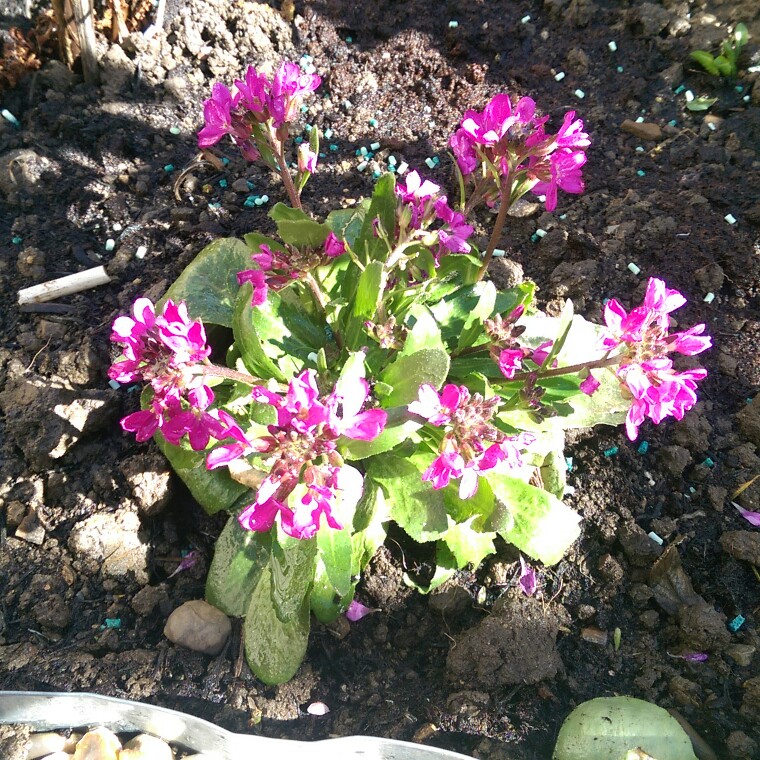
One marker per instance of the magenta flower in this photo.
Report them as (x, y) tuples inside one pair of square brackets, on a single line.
[(453, 235), (196, 422), (471, 444), (307, 477), (352, 422), (497, 119), (658, 392), (307, 159), (464, 151), (590, 385), (541, 352), (510, 361), (753, 518), (258, 279), (527, 580), (143, 423), (438, 410), (334, 246), (217, 113), (289, 86), (356, 611), (564, 174), (185, 337)]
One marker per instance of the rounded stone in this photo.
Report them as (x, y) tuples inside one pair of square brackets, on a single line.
[(198, 626)]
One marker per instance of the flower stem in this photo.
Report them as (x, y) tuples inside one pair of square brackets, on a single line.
[(571, 369), (215, 370), (320, 300), (287, 180), (498, 226)]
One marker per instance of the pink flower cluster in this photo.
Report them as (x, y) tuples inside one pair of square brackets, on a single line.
[(306, 475), (421, 204), (510, 142), (276, 269), (255, 100), (646, 373), (163, 350), (471, 444)]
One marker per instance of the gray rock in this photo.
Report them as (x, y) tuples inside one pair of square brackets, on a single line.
[(56, 76), (46, 743), (110, 543), (31, 263), (703, 628), (176, 87), (516, 644), (149, 477), (740, 746), (675, 459), (653, 18), (748, 420), (743, 545), (450, 601), (693, 431), (21, 172), (639, 549), (198, 626), (147, 599), (751, 702), (741, 654), (710, 277), (643, 130), (117, 69), (30, 529), (52, 612)]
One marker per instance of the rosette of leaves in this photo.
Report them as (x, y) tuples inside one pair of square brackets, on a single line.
[(275, 582)]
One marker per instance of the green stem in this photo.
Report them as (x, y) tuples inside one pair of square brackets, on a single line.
[(321, 301)]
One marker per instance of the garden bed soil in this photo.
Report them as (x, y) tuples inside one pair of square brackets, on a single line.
[(93, 525)]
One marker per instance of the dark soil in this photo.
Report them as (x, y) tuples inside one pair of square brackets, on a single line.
[(93, 526)]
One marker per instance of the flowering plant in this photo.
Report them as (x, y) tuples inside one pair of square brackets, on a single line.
[(374, 375)]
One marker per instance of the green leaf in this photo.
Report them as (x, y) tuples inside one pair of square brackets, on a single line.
[(274, 648), (326, 604), (247, 340), (347, 223), (532, 519), (287, 332), (706, 61), (372, 512), (422, 331), (369, 291), (297, 228), (407, 373), (208, 284), (741, 35), (726, 65), (563, 330), (701, 104), (214, 490), (608, 727), (473, 325), (240, 557), (414, 505), (335, 553), (382, 207), (479, 505), (445, 568), (292, 568), (468, 546)]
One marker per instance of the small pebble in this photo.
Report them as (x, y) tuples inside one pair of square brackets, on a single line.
[(403, 166), (175, 130), (110, 244), (689, 95), (169, 168), (594, 636), (373, 122), (430, 163), (655, 538), (362, 166), (141, 252), (559, 76), (611, 451), (525, 19), (612, 45), (736, 623), (146, 747), (579, 94), (730, 218), (709, 298), (8, 116), (619, 69), (44, 744), (100, 744), (641, 173), (375, 146), (199, 627), (643, 447), (453, 24)]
